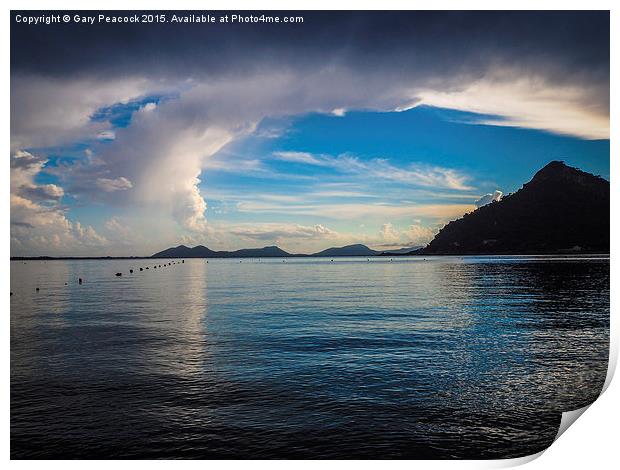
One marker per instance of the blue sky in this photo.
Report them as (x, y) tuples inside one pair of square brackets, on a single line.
[(297, 136)]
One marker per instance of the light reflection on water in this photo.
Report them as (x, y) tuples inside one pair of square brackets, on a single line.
[(436, 358)]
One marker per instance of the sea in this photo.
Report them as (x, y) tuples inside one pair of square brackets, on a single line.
[(305, 358)]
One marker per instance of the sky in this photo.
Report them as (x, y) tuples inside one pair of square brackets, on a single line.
[(351, 127)]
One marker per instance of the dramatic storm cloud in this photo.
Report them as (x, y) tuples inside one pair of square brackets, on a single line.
[(138, 119)]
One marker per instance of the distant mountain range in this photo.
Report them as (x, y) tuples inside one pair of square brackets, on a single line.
[(349, 250), (561, 210), (200, 251)]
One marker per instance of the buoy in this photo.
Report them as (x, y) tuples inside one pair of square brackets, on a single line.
[(118, 274), (65, 283), (37, 289)]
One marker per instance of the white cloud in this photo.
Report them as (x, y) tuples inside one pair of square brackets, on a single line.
[(87, 235), (299, 157), (162, 153), (46, 111), (106, 135), (41, 230), (24, 167), (419, 235), (115, 184), (118, 232), (277, 232), (113, 224), (489, 198), (189, 210), (416, 174), (352, 211), (38, 223), (43, 192), (526, 101), (413, 235), (148, 107), (389, 234)]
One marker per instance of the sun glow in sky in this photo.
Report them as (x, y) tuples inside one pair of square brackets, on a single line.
[(255, 144)]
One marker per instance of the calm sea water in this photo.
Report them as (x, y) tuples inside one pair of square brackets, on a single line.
[(446, 357)]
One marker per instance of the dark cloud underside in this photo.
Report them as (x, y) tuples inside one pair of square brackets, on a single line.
[(430, 41)]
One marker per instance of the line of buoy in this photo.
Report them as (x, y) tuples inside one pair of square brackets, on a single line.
[(80, 280), (141, 269)]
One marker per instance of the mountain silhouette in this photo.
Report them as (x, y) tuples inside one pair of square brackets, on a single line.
[(200, 251), (561, 210), (349, 250), (183, 251), (266, 252)]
